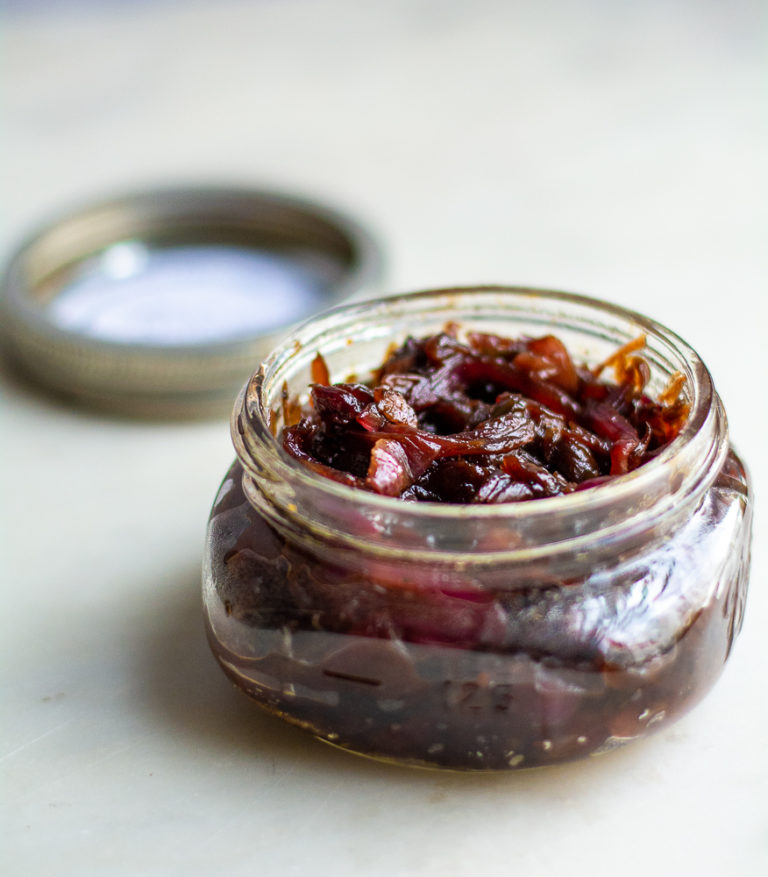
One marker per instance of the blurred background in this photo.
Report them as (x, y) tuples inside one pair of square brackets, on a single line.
[(612, 148), (607, 147), (602, 147)]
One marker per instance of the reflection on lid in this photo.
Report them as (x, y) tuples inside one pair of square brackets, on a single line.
[(185, 295)]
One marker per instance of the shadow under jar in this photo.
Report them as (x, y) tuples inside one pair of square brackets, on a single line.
[(477, 637)]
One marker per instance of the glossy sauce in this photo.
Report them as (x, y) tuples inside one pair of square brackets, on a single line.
[(486, 420)]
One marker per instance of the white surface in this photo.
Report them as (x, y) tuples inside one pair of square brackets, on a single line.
[(612, 148)]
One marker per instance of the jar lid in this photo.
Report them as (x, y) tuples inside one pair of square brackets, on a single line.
[(162, 303)]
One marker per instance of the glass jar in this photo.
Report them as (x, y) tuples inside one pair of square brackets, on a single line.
[(477, 636)]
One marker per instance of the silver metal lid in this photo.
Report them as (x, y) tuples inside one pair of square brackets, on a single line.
[(161, 303)]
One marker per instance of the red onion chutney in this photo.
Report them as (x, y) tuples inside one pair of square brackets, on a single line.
[(488, 555)]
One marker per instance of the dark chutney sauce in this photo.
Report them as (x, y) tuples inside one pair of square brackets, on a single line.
[(401, 652), (489, 420)]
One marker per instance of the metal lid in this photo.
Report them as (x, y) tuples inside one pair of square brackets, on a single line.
[(161, 303)]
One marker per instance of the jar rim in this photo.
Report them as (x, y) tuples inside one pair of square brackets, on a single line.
[(696, 448)]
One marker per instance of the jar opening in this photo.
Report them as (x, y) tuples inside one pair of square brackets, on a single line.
[(631, 508)]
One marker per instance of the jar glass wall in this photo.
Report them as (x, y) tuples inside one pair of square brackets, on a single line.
[(477, 637)]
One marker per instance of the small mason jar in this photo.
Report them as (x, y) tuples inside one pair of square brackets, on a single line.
[(477, 637)]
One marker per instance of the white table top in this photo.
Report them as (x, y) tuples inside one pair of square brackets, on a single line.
[(615, 149)]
